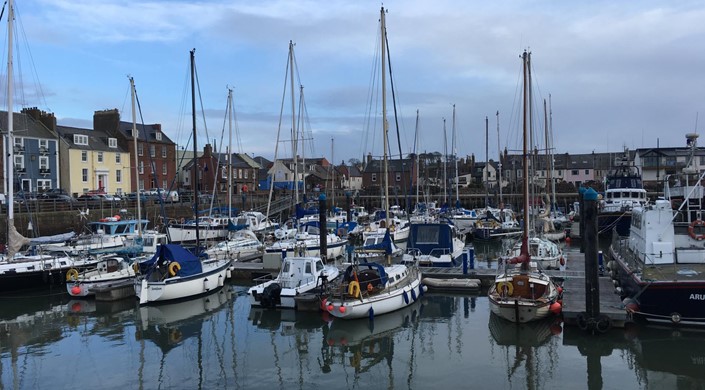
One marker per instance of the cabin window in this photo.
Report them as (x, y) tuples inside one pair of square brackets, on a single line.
[(285, 268), (319, 266), (308, 268)]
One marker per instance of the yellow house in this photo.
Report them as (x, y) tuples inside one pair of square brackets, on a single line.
[(92, 160)]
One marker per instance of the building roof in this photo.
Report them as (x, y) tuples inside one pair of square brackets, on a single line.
[(97, 140), (25, 126), (145, 132)]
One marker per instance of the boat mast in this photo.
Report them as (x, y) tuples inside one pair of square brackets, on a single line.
[(550, 125), (194, 170), (549, 173), (487, 162), (499, 164), (416, 138), (230, 154), (385, 127), (10, 137), (455, 159), (294, 133), (525, 168), (445, 164), (135, 135)]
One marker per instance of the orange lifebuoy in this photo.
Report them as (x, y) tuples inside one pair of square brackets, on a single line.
[(691, 229)]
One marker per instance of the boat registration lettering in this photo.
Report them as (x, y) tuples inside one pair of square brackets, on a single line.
[(697, 297)]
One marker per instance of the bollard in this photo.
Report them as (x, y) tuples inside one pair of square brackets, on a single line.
[(472, 257), (600, 263), (323, 227), (465, 261)]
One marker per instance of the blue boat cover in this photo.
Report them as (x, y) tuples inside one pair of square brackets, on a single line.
[(348, 275), (429, 236), (233, 228), (386, 244), (190, 264)]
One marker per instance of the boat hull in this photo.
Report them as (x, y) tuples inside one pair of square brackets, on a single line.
[(211, 279)]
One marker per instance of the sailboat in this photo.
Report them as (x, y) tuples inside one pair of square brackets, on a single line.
[(370, 289), (521, 292), (174, 272), (26, 270)]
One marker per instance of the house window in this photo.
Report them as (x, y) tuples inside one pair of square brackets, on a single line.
[(84, 175), (19, 163), (112, 142), (80, 139), (587, 171), (560, 173), (163, 169), (239, 173), (118, 190), (152, 152), (398, 176), (19, 142), (158, 136), (43, 184), (140, 149), (163, 151), (84, 156), (118, 158), (100, 157), (153, 167), (118, 176), (141, 184), (374, 177), (164, 183), (43, 162), (141, 167), (574, 172), (245, 173), (44, 144), (224, 172)]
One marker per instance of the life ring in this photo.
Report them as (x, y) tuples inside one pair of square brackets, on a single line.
[(174, 268), (354, 289), (691, 229), (72, 275), (501, 286)]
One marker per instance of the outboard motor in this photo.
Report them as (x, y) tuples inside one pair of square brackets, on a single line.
[(270, 297)]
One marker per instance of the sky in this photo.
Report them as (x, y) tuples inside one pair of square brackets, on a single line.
[(619, 73)]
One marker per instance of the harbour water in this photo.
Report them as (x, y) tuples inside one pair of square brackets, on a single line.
[(218, 341)]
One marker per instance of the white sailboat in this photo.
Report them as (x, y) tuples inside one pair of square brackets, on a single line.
[(371, 289), (174, 272)]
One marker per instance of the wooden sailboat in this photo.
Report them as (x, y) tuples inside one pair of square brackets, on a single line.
[(521, 292), (371, 289), (174, 272)]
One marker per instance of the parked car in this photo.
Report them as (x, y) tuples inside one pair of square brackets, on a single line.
[(109, 198), (52, 193), (89, 198), (133, 197), (64, 198)]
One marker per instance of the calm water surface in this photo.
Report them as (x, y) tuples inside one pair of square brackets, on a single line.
[(218, 341)]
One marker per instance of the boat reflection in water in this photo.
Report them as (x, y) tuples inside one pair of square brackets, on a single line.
[(168, 325)]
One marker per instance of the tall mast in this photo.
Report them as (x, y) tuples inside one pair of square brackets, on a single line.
[(487, 162), (10, 137), (194, 169), (416, 138), (549, 169), (294, 133), (230, 153), (525, 170), (550, 130), (135, 135), (455, 159), (385, 127), (445, 163), (499, 163)]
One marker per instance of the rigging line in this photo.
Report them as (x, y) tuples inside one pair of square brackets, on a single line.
[(396, 118), (238, 139), (370, 98), (38, 85)]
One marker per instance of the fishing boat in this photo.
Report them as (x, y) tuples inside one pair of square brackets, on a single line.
[(174, 272), (659, 269), (623, 191), (298, 275), (521, 292)]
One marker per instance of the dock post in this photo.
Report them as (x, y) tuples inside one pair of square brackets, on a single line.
[(601, 263), (472, 257), (323, 227), (466, 254), (591, 320), (581, 221)]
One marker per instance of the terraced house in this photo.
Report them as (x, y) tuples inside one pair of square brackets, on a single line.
[(36, 153), (92, 160)]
